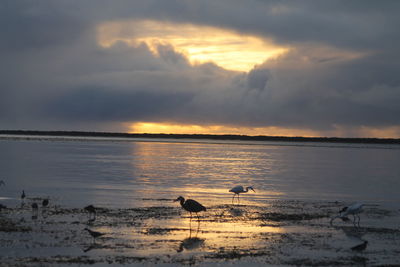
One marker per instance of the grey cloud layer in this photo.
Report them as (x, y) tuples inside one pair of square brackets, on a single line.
[(53, 73)]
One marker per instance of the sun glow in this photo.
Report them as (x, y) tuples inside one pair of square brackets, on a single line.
[(200, 44), (171, 128)]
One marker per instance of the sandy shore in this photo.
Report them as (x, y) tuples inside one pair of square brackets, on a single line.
[(277, 233)]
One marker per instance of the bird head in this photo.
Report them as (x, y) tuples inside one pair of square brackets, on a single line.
[(250, 187), (179, 199)]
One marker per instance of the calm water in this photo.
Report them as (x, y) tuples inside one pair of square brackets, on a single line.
[(139, 173)]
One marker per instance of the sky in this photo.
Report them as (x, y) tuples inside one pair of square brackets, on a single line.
[(292, 68)]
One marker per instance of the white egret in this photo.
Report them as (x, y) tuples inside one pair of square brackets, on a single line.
[(353, 209), (239, 189)]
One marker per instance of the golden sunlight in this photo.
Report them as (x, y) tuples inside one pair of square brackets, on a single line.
[(171, 128), (200, 44)]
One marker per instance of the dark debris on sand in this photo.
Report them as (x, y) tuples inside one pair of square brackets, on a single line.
[(280, 233)]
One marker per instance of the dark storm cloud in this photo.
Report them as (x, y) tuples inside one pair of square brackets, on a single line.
[(52, 68)]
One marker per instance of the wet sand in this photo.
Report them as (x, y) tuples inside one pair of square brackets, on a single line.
[(279, 232)]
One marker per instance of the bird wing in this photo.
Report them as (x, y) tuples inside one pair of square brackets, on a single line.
[(236, 189), (194, 206)]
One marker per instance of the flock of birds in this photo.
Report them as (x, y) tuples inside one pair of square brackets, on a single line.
[(193, 206)]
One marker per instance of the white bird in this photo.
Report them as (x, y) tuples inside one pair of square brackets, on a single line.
[(353, 209), (239, 189)]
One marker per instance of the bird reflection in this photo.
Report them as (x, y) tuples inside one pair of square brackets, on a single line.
[(92, 246), (361, 246), (353, 233), (191, 243), (236, 212)]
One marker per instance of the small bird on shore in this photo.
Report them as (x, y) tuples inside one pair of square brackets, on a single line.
[(191, 205), (360, 247), (23, 195), (353, 209), (35, 206), (92, 210), (94, 234), (239, 189), (45, 203)]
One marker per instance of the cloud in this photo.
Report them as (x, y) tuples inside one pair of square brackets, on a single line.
[(341, 69)]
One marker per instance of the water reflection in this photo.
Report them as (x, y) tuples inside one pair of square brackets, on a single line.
[(192, 242)]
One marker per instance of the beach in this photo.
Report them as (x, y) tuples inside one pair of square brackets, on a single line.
[(279, 233), (133, 185)]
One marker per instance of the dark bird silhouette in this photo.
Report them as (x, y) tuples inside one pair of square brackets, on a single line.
[(360, 247), (35, 206), (191, 205), (94, 234), (23, 195), (45, 203), (239, 189), (92, 210)]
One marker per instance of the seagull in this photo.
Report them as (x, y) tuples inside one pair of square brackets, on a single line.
[(353, 209), (94, 234), (360, 247), (239, 189), (191, 206)]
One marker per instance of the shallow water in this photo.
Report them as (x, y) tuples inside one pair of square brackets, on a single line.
[(120, 173), (299, 187)]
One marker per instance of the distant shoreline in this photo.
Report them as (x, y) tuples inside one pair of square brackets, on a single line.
[(205, 136)]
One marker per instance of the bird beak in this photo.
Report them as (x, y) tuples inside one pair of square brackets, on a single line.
[(253, 190), (175, 200)]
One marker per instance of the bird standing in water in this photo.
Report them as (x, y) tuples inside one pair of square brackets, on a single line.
[(92, 210), (239, 189), (191, 205), (353, 209), (45, 203), (94, 234), (360, 247)]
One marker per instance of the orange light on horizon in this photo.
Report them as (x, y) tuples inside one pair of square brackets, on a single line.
[(173, 128), (337, 131)]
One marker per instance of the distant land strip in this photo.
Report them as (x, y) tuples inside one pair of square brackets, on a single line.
[(205, 136)]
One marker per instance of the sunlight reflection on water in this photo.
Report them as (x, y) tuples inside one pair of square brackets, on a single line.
[(125, 174)]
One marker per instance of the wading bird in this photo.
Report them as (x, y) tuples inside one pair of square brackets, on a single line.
[(92, 210), (35, 206), (94, 234), (353, 209), (239, 189), (360, 247), (23, 195), (191, 206), (45, 203)]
